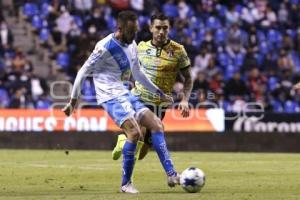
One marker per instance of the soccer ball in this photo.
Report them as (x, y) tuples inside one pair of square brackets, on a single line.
[(192, 179)]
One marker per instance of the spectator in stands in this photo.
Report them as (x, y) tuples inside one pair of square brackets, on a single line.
[(209, 42), (284, 61), (235, 41), (258, 39), (250, 61), (255, 82), (82, 7), (200, 82), (232, 16), (97, 20), (235, 87), (202, 61), (283, 15), (6, 37)]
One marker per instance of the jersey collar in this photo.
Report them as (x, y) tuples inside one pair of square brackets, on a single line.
[(165, 44)]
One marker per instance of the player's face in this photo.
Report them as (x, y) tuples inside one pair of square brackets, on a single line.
[(160, 30), (129, 31)]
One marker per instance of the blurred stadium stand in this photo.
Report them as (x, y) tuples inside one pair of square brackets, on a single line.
[(241, 51)]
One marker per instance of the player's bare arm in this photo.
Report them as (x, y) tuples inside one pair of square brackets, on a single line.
[(187, 88)]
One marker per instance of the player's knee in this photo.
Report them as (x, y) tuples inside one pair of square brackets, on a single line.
[(132, 131), (133, 135), (158, 126)]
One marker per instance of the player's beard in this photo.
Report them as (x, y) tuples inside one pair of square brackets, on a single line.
[(127, 40)]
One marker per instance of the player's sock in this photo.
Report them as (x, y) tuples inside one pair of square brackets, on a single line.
[(128, 161), (139, 145), (159, 144)]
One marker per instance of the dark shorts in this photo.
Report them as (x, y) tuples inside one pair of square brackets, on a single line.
[(160, 112)]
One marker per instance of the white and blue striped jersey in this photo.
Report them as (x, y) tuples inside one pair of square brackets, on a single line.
[(108, 64)]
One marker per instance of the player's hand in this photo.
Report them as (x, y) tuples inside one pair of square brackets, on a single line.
[(69, 108), (296, 86), (184, 107)]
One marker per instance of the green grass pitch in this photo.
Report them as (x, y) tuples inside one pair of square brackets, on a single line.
[(80, 175)]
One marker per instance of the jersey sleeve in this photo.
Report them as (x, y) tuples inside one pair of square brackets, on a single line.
[(86, 70), (183, 59)]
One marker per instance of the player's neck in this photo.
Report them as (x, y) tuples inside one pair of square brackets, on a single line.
[(159, 44)]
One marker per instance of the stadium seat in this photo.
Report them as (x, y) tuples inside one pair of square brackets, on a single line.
[(291, 106), (78, 21), (37, 22), (111, 23), (170, 10), (201, 34), (229, 71), (239, 8), (43, 104), (223, 59), (296, 2), (261, 36), (196, 23), (274, 38), (221, 9), (238, 60), (44, 10), (213, 23), (30, 9), (4, 98), (263, 48), (88, 91), (291, 33), (220, 36), (273, 83), (143, 20), (63, 59), (226, 106), (277, 106), (44, 35)]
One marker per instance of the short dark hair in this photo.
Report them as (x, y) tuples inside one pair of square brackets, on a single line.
[(125, 16), (159, 16)]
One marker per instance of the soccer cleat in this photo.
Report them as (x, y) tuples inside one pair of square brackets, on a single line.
[(129, 188), (174, 180), (117, 152)]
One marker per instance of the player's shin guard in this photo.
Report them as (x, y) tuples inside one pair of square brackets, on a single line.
[(159, 144), (128, 161)]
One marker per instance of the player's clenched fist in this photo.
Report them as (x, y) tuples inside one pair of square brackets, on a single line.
[(69, 108)]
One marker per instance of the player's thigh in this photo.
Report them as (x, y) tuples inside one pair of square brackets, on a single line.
[(150, 121), (120, 110), (159, 111), (138, 106)]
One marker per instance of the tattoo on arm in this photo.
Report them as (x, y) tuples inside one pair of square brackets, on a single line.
[(188, 83)]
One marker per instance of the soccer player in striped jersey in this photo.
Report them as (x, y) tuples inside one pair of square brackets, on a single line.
[(162, 60)]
